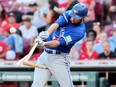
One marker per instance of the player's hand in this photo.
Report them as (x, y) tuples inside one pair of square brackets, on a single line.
[(44, 35), (40, 41)]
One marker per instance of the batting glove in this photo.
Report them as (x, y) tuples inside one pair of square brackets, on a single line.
[(40, 41), (44, 35)]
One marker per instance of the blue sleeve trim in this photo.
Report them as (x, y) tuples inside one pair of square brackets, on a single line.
[(65, 18)]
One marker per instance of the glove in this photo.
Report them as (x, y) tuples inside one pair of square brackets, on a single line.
[(44, 35), (40, 41)]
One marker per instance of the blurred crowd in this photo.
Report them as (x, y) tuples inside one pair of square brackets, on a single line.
[(30, 18)]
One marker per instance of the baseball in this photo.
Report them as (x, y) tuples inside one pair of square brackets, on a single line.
[(12, 30)]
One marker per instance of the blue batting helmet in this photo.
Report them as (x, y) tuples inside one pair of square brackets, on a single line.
[(79, 11)]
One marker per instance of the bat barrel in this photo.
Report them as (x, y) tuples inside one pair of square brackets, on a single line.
[(35, 65)]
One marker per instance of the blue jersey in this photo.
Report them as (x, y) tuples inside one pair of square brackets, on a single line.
[(67, 33)]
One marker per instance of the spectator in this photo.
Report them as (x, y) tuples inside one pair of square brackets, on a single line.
[(62, 3), (29, 32), (3, 16), (32, 9), (3, 50), (69, 6), (103, 37), (2, 37), (71, 3), (113, 38), (7, 4), (107, 53), (111, 27), (17, 13), (91, 34), (90, 53), (28, 28), (10, 42), (11, 21), (91, 14), (14, 44), (97, 29), (99, 10), (36, 18), (112, 9), (52, 15), (23, 7), (18, 43), (91, 5)]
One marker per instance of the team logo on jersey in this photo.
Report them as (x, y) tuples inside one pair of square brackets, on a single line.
[(68, 39), (55, 38)]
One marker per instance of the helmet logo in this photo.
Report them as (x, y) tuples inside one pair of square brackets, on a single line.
[(76, 11)]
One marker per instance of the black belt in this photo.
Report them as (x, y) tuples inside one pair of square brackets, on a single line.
[(52, 51)]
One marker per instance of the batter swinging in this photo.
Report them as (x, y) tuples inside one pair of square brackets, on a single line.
[(60, 37)]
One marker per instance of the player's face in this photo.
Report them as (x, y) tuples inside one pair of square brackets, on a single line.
[(75, 21)]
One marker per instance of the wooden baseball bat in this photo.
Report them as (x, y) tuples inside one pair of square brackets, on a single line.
[(35, 65), (25, 59), (28, 56), (31, 51)]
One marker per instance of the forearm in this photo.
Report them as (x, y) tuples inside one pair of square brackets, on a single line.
[(52, 28), (54, 43)]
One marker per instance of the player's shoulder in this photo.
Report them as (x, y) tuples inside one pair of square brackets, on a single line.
[(66, 14)]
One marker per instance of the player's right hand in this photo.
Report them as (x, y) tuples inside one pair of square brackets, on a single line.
[(40, 41), (44, 35)]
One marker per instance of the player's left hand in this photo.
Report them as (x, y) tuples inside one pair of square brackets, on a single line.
[(44, 35), (40, 41)]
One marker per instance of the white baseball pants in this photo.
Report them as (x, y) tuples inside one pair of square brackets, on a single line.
[(59, 62)]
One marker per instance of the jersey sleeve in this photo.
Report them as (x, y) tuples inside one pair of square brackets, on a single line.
[(63, 19), (70, 39)]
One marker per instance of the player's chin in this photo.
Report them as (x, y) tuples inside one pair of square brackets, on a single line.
[(75, 24)]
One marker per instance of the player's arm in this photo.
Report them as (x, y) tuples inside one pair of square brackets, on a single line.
[(53, 43), (60, 22), (52, 28)]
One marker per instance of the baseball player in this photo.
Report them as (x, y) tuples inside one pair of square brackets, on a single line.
[(60, 37)]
